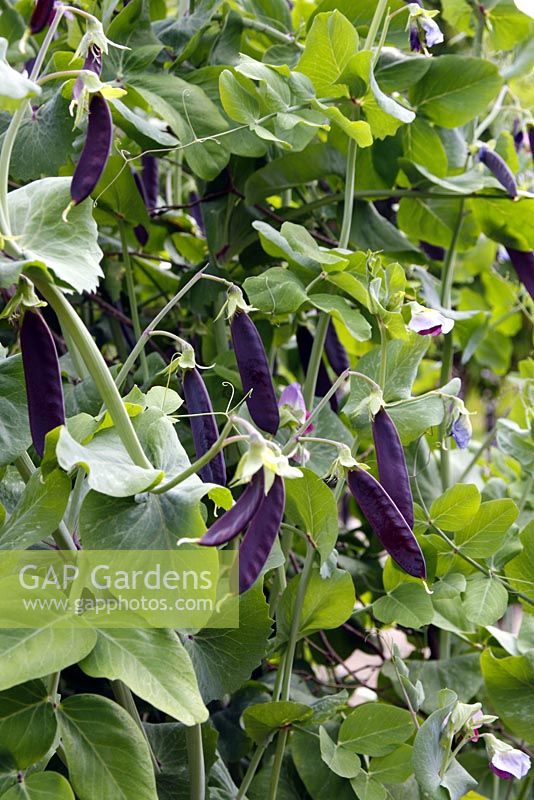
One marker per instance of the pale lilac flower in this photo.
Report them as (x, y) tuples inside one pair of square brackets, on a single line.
[(424, 32), (462, 430), (428, 321), (506, 761), (433, 35), (293, 398)]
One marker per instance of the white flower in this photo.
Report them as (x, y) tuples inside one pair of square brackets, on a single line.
[(526, 6), (428, 321)]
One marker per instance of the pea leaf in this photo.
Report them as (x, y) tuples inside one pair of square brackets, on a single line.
[(408, 605), (261, 720), (375, 729), (330, 43), (311, 504), (275, 291), (509, 684), (15, 435), (27, 722), (38, 512), (107, 755), (341, 310), (154, 664), (41, 786), (15, 88), (487, 531), (486, 599), (456, 507)]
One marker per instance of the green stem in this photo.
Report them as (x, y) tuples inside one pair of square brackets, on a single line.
[(252, 768), (447, 279), (16, 120), (84, 342), (268, 30), (288, 664), (375, 24), (124, 698), (280, 581), (383, 353), (195, 760), (348, 206), (134, 311), (145, 336), (200, 462), (315, 359)]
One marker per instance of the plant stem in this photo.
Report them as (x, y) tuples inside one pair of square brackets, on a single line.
[(252, 768), (130, 285), (124, 698), (92, 357), (348, 206), (145, 336), (315, 359), (195, 760), (200, 462), (288, 664), (375, 24), (383, 353), (447, 279), (272, 33)]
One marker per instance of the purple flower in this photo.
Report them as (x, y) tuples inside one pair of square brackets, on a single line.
[(415, 42), (509, 764), (293, 398), (461, 431), (428, 321)]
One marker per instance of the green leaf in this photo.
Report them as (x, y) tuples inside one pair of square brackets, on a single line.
[(107, 755), (341, 310), (423, 146), (456, 89), (15, 88), (311, 504), (428, 756), (276, 291), (330, 43), (327, 604), (191, 115), (109, 468), (169, 745), (44, 142), (27, 723), (69, 249), (156, 667), (456, 507), (486, 599), (408, 605), (35, 652), (41, 786), (261, 720), (367, 788), (393, 768), (295, 244), (339, 758), (461, 674), (369, 230), (415, 417), (38, 512), (238, 97), (224, 657), (359, 130), (487, 531), (376, 729), (510, 687), (319, 780), (506, 221), (434, 221), (15, 435), (117, 192), (520, 569)]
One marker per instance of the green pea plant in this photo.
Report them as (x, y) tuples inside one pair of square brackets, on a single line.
[(266, 287)]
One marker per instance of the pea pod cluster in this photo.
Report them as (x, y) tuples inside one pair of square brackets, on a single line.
[(255, 374), (388, 504), (41, 16), (387, 522), (203, 427), (96, 150), (235, 520), (499, 168), (523, 263), (42, 375)]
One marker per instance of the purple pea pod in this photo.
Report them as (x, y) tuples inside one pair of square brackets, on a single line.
[(44, 390), (517, 133), (261, 534), (432, 251), (499, 168), (150, 180), (255, 373), (323, 383), (204, 428), (141, 233), (41, 15), (335, 352), (92, 63), (387, 522), (523, 263), (530, 134), (96, 150), (392, 469), (235, 520)]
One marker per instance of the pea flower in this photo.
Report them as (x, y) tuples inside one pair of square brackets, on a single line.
[(292, 402), (461, 428), (428, 321), (506, 761), (424, 31)]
